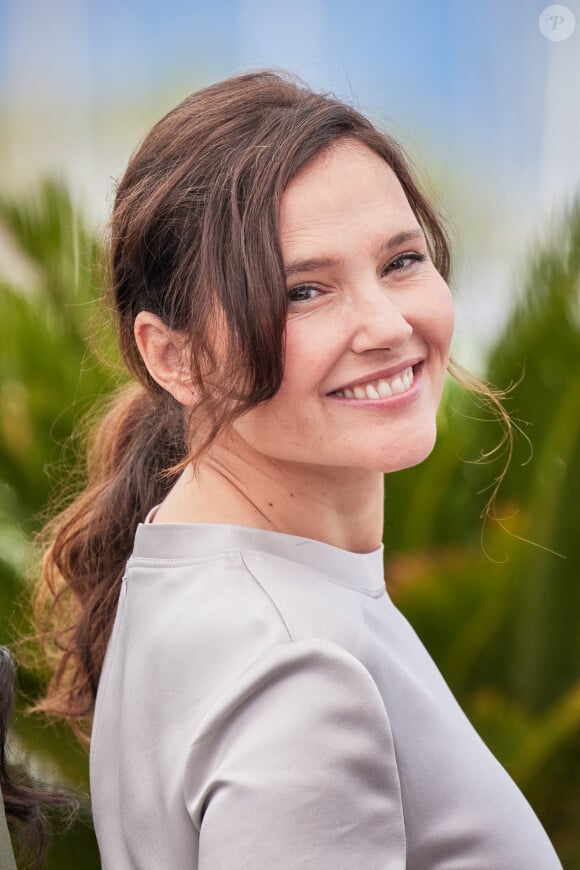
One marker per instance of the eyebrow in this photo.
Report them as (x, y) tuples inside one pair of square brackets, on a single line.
[(386, 247)]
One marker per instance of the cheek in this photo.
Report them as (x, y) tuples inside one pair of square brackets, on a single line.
[(309, 352), (448, 319), (440, 320)]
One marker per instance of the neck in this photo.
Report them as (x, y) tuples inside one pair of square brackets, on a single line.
[(339, 506)]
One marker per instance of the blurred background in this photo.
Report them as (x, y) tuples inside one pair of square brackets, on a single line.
[(485, 99)]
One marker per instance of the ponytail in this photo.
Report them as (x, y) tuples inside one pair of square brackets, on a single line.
[(131, 467)]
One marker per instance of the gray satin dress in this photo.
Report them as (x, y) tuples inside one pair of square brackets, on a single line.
[(265, 706)]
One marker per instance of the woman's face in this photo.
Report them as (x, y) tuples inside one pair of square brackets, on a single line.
[(366, 307)]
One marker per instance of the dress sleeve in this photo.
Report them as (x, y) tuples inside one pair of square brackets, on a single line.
[(294, 767)]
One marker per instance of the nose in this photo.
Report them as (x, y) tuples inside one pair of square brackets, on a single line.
[(379, 320)]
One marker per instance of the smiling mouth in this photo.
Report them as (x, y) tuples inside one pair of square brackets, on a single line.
[(382, 388)]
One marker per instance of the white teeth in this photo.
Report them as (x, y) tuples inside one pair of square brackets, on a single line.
[(384, 389), (397, 386), (381, 389)]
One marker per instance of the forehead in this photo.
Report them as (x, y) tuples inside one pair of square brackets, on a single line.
[(346, 190)]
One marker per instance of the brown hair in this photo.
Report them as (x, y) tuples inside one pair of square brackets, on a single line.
[(195, 241)]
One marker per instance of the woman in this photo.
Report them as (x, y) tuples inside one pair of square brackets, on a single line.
[(25, 805), (280, 288)]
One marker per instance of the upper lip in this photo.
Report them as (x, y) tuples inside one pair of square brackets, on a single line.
[(380, 374)]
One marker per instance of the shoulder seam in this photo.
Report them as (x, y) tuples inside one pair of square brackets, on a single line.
[(153, 561), (267, 594)]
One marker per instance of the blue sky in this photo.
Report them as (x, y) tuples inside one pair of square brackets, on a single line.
[(473, 89), (452, 69)]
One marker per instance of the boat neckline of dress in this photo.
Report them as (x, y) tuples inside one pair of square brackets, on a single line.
[(179, 542)]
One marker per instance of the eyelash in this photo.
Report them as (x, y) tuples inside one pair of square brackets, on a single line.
[(415, 258)]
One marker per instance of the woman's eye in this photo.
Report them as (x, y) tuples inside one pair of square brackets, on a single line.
[(413, 258), (300, 293), (304, 292)]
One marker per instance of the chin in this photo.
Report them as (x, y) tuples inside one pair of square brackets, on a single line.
[(410, 453)]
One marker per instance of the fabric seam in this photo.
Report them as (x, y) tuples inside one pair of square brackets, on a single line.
[(267, 594), (173, 563), (372, 593)]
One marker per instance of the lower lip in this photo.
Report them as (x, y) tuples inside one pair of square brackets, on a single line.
[(392, 402)]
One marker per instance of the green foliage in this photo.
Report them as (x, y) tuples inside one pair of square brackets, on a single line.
[(47, 342), (498, 604), (56, 359), (500, 615)]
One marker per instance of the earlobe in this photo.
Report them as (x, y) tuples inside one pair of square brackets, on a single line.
[(162, 350)]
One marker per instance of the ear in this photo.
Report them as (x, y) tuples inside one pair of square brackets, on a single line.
[(163, 352)]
